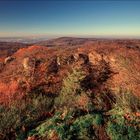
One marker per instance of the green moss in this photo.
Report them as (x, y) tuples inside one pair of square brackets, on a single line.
[(68, 127), (120, 129)]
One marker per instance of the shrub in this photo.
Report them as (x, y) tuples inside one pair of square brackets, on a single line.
[(9, 120), (83, 102), (122, 131), (125, 102), (68, 128), (9, 92), (119, 128), (72, 95), (125, 62), (103, 100), (23, 114)]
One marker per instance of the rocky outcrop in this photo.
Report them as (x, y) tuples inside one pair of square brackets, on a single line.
[(28, 65), (78, 57), (72, 58), (94, 58), (83, 58), (8, 59), (54, 65)]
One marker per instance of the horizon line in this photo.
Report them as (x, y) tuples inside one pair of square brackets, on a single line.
[(74, 36)]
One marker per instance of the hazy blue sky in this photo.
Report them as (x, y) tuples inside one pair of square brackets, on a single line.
[(69, 17)]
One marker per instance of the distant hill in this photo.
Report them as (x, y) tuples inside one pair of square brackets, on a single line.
[(65, 41), (8, 48), (75, 41)]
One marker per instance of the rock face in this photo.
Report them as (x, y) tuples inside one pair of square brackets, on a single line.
[(58, 61), (28, 65), (72, 58), (54, 65), (8, 59), (94, 57), (80, 57), (83, 58)]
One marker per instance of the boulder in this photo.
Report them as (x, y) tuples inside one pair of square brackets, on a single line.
[(76, 56), (8, 59), (83, 58), (28, 63), (54, 65), (72, 58), (58, 61), (94, 58)]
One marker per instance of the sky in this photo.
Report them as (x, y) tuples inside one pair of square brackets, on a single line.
[(70, 18)]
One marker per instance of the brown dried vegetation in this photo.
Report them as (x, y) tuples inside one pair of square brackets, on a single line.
[(41, 70)]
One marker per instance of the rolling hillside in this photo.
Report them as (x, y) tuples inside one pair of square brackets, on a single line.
[(83, 89)]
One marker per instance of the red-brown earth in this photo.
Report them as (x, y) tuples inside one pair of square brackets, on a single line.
[(110, 65), (123, 58)]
